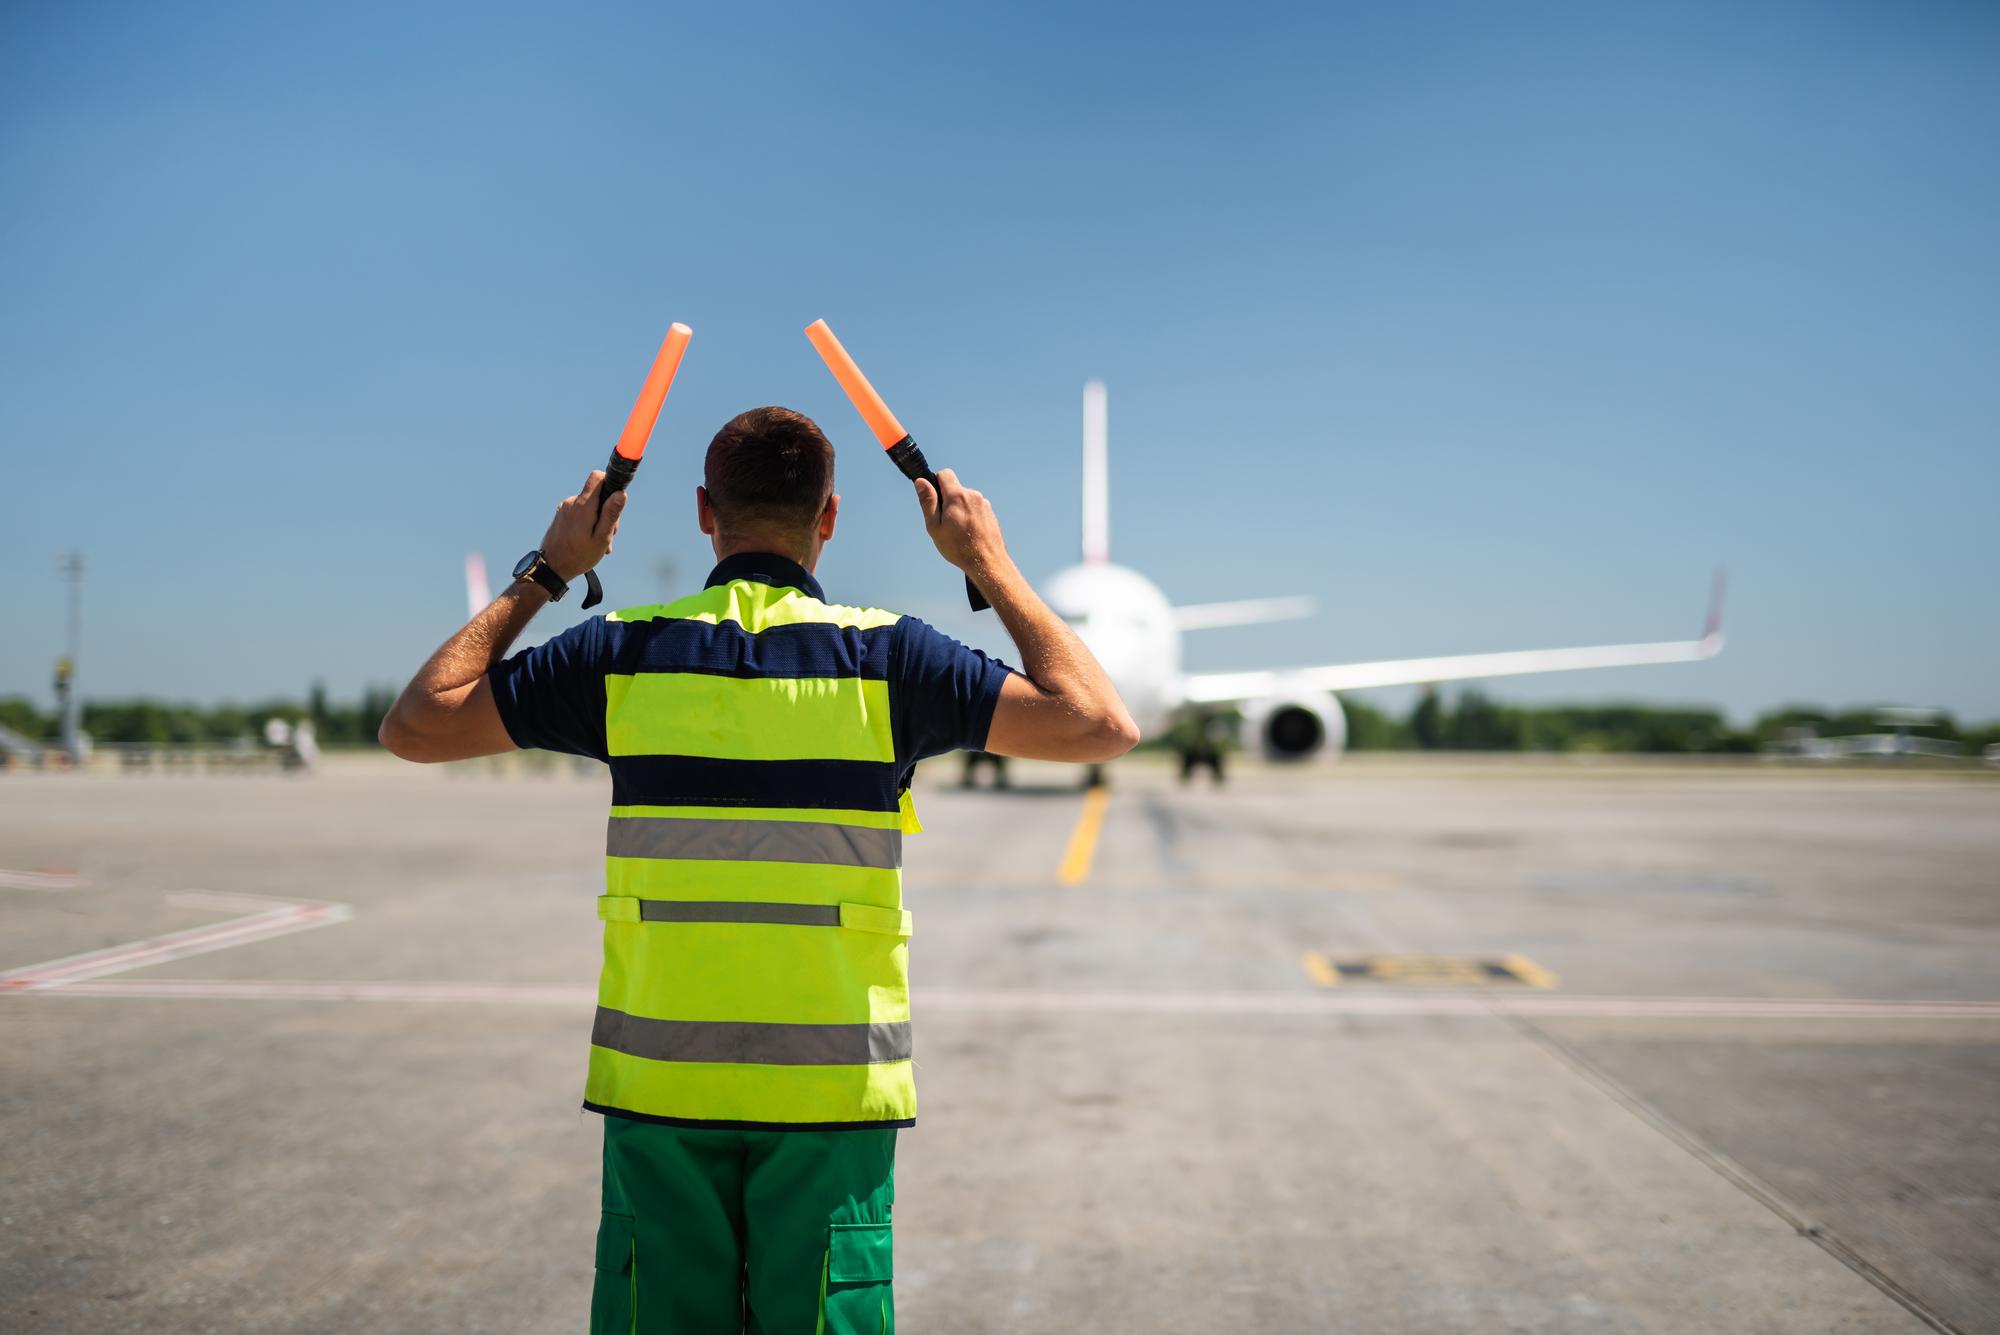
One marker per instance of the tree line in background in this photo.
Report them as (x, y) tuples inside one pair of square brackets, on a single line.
[(161, 723), (1470, 721)]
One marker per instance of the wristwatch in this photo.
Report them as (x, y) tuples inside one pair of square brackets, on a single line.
[(534, 568)]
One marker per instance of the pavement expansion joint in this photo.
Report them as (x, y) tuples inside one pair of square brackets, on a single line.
[(1745, 1181)]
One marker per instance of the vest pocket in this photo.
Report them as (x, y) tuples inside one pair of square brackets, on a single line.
[(874, 918), (614, 1296), (859, 1271)]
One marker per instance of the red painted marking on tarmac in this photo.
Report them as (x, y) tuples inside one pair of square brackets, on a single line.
[(48, 879), (1463, 1003), (1471, 1002), (269, 918), (285, 989), (86, 975)]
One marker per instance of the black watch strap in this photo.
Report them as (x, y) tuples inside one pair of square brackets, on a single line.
[(543, 574)]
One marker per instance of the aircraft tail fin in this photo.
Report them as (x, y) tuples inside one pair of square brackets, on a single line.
[(1096, 476), (478, 594)]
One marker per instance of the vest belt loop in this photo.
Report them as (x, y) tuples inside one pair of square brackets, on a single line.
[(870, 918)]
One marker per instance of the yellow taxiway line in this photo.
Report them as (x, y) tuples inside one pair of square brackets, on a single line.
[(1529, 972), (1075, 864), (1320, 969)]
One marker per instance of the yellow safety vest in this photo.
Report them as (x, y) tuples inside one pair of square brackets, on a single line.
[(756, 949)]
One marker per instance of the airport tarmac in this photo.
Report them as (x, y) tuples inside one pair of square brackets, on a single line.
[(1402, 1044)]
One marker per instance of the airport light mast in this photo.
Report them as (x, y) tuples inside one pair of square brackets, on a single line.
[(67, 701)]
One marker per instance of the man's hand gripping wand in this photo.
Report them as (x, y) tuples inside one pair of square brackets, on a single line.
[(902, 450)]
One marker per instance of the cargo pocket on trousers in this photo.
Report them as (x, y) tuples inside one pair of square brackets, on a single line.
[(614, 1298), (857, 1298)]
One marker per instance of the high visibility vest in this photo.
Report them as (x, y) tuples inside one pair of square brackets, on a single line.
[(756, 949)]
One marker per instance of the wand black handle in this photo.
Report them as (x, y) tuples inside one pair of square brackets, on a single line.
[(907, 457), (617, 476)]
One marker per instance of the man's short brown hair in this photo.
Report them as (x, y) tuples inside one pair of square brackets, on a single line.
[(769, 467)]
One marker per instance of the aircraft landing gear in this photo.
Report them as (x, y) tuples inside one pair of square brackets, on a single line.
[(1093, 777), (968, 776), (1200, 757), (1206, 743)]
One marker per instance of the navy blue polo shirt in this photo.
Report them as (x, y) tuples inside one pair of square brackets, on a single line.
[(941, 693)]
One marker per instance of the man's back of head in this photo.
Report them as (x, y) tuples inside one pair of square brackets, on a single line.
[(767, 483)]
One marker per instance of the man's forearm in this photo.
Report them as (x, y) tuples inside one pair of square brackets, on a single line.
[(481, 642), (445, 681), (1051, 654), (449, 711), (1062, 705)]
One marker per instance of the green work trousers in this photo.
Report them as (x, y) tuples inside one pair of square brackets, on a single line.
[(709, 1232)]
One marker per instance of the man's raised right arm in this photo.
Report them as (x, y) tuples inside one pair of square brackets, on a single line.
[(448, 711), (1061, 705)]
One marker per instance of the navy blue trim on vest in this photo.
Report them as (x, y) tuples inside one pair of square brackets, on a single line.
[(713, 1124), (702, 781), (725, 649), (765, 568)]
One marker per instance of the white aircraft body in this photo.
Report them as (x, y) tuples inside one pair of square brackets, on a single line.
[(1290, 713)]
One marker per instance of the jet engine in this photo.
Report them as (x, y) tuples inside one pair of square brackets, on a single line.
[(1295, 725)]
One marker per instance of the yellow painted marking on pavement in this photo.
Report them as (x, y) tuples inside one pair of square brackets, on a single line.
[(1439, 970), (1320, 969), (1529, 972), (1425, 968), (1083, 839)]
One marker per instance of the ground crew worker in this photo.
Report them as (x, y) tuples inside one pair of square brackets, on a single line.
[(751, 1047)]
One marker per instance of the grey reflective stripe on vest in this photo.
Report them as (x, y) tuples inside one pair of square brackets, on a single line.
[(753, 841), (712, 910), (749, 1042)]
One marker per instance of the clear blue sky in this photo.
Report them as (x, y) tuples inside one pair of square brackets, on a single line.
[(1496, 326)]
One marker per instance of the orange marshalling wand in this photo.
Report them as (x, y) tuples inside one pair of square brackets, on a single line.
[(873, 411), (638, 430), (902, 450), (639, 426)]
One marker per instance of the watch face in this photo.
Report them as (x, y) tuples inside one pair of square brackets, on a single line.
[(525, 564)]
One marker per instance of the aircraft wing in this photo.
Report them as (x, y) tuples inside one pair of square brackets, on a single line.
[(1216, 688), (1244, 612)]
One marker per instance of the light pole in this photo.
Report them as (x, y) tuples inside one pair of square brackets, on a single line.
[(67, 699)]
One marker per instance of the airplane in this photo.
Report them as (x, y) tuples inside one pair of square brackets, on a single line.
[(1899, 740), (1289, 714)]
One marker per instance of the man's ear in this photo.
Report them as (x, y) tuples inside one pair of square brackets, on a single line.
[(829, 516), (704, 513)]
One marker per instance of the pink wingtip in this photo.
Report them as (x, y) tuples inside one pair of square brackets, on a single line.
[(1713, 629)]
